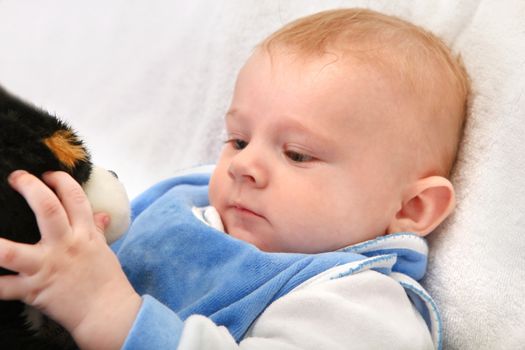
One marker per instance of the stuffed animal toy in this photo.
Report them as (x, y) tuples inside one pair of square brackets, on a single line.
[(33, 140)]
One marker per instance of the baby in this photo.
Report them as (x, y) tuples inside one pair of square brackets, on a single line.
[(342, 131)]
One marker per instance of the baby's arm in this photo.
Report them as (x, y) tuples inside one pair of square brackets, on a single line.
[(71, 274)]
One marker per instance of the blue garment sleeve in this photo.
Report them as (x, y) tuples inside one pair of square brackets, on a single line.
[(156, 327)]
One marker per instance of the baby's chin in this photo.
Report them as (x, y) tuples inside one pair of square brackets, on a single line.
[(250, 237)]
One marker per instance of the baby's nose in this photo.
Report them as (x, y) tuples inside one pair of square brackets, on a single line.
[(248, 166)]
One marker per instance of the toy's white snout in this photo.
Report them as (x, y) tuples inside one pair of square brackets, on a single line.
[(107, 194)]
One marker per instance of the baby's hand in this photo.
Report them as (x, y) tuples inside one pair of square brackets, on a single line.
[(71, 274)]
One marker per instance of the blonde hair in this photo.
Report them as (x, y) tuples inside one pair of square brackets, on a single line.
[(416, 56)]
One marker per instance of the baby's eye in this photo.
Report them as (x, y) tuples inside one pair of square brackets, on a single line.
[(298, 157), (238, 144)]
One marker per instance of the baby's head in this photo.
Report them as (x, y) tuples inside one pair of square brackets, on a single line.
[(343, 127)]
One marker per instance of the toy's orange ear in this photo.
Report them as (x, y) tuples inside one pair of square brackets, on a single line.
[(66, 147)]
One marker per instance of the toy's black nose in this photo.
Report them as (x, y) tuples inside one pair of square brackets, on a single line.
[(113, 173)]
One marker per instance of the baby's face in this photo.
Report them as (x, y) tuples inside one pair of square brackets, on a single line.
[(314, 161)]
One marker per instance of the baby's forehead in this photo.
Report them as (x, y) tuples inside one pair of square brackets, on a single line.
[(333, 82), (386, 62), (335, 76), (335, 61)]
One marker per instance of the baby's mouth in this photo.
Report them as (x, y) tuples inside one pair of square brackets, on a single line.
[(242, 210)]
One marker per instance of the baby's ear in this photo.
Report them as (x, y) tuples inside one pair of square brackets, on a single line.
[(425, 205)]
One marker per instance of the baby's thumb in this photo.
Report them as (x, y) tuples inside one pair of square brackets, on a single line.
[(101, 221)]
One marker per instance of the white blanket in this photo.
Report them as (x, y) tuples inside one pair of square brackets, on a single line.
[(147, 84)]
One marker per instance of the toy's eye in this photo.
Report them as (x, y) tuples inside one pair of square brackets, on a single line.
[(113, 173)]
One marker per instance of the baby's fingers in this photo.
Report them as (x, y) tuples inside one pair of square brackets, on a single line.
[(12, 287), (73, 199), (102, 221), (50, 214), (19, 257)]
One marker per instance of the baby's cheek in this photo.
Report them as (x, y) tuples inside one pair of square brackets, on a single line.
[(301, 210), (212, 195), (216, 186)]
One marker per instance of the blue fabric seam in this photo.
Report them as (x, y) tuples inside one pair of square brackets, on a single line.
[(366, 263), (435, 314), (378, 240)]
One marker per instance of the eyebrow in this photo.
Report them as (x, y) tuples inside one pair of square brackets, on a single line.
[(291, 125)]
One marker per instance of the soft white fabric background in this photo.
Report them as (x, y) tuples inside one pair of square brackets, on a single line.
[(148, 82)]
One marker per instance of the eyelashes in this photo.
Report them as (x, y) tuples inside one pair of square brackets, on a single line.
[(298, 157), (294, 156), (236, 144)]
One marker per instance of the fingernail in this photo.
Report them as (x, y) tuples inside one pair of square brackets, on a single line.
[(15, 174), (105, 221)]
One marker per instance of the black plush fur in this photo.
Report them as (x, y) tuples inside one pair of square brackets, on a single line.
[(22, 130)]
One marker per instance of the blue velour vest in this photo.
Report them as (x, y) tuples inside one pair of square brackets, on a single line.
[(194, 269)]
